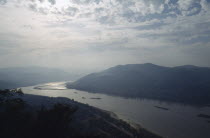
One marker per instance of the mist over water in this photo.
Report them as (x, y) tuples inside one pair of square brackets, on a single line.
[(179, 121)]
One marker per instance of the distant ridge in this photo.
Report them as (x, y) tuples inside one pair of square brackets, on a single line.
[(33, 75), (185, 84)]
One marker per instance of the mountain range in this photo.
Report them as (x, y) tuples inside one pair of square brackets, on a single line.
[(184, 84)]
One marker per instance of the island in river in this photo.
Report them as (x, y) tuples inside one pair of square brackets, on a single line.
[(163, 108)]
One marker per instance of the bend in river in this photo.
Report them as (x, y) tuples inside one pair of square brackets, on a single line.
[(180, 121)]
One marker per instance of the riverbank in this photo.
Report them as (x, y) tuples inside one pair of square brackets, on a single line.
[(85, 120)]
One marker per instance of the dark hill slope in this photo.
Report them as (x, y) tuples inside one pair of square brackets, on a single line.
[(32, 116), (186, 84)]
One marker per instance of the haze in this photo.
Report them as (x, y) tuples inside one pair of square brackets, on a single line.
[(96, 34)]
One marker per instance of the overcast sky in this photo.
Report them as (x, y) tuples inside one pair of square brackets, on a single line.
[(96, 34)]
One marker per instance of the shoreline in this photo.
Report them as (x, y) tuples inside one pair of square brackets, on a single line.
[(136, 126), (103, 123)]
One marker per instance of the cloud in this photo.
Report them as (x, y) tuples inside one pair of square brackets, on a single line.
[(41, 1), (86, 1), (89, 33), (33, 7), (52, 1), (3, 1), (205, 5), (189, 7), (119, 11), (186, 4), (71, 11)]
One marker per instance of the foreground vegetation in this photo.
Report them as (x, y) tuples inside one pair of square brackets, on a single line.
[(30, 116)]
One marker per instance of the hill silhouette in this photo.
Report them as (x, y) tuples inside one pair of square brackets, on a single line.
[(185, 84)]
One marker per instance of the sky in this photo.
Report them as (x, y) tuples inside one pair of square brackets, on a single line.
[(92, 35)]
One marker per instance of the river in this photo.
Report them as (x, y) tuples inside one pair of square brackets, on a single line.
[(165, 119)]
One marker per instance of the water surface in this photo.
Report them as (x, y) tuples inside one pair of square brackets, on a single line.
[(179, 121)]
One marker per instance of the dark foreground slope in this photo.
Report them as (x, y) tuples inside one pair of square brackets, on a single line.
[(27, 76), (30, 116), (186, 84)]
